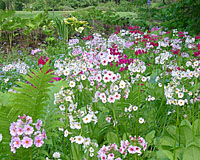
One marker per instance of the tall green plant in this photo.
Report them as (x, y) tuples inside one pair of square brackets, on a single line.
[(32, 97)]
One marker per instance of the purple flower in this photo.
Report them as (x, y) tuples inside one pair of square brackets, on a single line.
[(35, 51), (27, 142), (38, 141), (149, 2)]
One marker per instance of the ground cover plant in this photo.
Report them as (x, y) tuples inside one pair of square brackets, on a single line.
[(94, 86)]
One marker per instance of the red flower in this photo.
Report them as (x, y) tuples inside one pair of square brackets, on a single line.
[(43, 60)]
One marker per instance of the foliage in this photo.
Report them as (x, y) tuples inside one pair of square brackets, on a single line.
[(179, 145), (184, 15)]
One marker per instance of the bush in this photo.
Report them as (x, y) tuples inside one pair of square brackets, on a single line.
[(65, 8)]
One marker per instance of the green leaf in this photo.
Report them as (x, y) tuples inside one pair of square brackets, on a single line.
[(192, 152), (150, 136), (186, 134), (112, 137)]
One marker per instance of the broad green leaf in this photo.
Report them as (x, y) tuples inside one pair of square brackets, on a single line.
[(112, 137), (192, 152), (150, 136)]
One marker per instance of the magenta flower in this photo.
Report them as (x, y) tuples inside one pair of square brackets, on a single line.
[(27, 142), (28, 129), (38, 141), (16, 142)]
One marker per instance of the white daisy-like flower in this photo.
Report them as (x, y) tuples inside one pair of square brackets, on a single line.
[(72, 84), (56, 155), (135, 108), (122, 84), (79, 139), (141, 120), (66, 133), (87, 118), (181, 102), (68, 98), (62, 107)]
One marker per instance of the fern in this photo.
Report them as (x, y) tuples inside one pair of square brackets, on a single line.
[(51, 121), (33, 99)]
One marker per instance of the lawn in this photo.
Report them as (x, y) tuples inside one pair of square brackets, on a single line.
[(26, 14)]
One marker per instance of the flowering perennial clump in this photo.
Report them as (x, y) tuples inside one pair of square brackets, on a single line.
[(25, 133), (135, 145)]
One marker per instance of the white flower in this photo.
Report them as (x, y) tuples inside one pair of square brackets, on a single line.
[(87, 141), (181, 102), (72, 84), (116, 88), (79, 139), (141, 120), (180, 95), (62, 107), (83, 77), (66, 133), (56, 155), (135, 108), (144, 79), (68, 98), (91, 154), (160, 84), (91, 149), (87, 118), (66, 72), (122, 84)]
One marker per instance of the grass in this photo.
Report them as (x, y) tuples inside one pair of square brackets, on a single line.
[(26, 14)]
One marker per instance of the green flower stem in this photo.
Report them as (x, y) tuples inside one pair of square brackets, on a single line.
[(30, 151), (177, 126), (193, 114), (198, 118), (115, 119), (137, 115)]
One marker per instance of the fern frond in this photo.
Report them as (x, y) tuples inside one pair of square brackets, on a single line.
[(33, 99)]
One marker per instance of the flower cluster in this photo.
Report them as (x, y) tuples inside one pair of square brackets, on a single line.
[(135, 145), (19, 67), (25, 133)]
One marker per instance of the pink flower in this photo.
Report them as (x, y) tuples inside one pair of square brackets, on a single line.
[(108, 119), (17, 142), (13, 130), (103, 157), (111, 156), (131, 149), (28, 129), (111, 99), (44, 134), (38, 124), (29, 119), (19, 131), (27, 142), (38, 141)]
